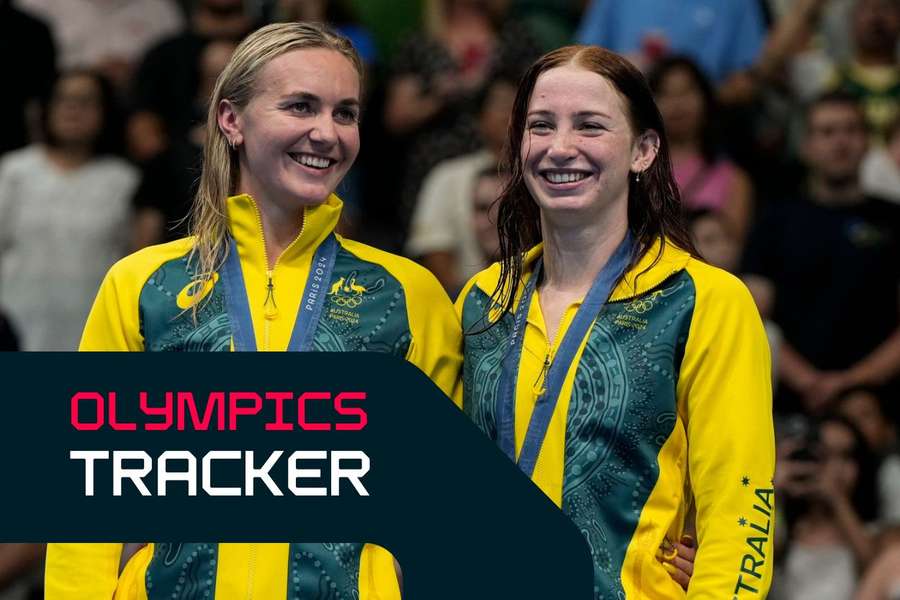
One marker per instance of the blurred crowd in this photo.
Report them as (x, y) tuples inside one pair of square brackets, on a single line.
[(784, 123)]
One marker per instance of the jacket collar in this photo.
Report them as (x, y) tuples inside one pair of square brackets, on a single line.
[(658, 263), (246, 228)]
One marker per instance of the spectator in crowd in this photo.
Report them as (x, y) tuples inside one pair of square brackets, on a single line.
[(552, 22), (441, 233), (724, 37), (826, 478), (882, 579), (881, 168), (714, 238), (9, 341), (167, 82), (169, 179), (705, 178), (436, 80), (863, 407), (824, 267), (830, 33), (339, 14), (110, 37), (480, 208), (872, 74), (20, 571), (716, 242), (488, 186), (64, 214), (23, 35)]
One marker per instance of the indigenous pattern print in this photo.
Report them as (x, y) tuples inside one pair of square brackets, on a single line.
[(182, 572), (324, 571), (168, 327), (315, 571), (621, 411), (365, 310)]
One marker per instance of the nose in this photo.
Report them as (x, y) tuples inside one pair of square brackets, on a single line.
[(562, 146), (323, 130)]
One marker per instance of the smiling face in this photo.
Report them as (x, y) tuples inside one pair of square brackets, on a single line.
[(578, 148), (299, 134)]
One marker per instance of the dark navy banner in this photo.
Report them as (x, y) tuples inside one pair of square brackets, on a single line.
[(277, 447)]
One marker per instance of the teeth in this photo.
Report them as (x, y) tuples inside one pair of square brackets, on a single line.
[(309, 160), (565, 177)]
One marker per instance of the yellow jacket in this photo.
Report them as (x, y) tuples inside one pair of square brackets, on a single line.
[(664, 417), (375, 302)]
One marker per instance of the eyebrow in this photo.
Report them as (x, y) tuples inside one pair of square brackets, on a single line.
[(313, 98), (579, 114)]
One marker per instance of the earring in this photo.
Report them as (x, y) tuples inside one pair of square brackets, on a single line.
[(233, 144), (637, 177)]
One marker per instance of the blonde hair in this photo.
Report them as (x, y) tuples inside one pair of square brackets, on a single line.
[(220, 175)]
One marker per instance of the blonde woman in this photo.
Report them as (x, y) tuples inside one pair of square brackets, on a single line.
[(262, 271)]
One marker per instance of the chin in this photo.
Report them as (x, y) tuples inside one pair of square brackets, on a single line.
[(566, 204), (311, 195)]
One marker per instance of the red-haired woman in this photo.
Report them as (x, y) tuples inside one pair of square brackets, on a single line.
[(626, 377)]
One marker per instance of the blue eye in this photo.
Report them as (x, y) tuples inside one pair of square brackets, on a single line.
[(346, 115), (301, 107)]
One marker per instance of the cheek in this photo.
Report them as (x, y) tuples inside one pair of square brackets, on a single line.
[(531, 149), (351, 143)]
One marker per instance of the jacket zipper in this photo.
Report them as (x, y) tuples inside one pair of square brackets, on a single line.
[(539, 388), (251, 570), (270, 307)]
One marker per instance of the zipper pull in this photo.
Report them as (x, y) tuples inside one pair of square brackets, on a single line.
[(538, 388), (271, 311)]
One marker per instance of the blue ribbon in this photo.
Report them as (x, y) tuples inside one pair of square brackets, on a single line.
[(584, 319), (311, 304)]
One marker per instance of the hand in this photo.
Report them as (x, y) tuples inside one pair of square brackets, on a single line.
[(824, 389), (795, 478), (681, 565), (447, 86)]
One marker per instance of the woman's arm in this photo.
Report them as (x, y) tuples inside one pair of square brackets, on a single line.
[(725, 397), (78, 571), (883, 572), (739, 207), (436, 346), (114, 323)]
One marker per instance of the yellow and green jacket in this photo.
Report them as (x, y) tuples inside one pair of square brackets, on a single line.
[(664, 422), (376, 302)]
